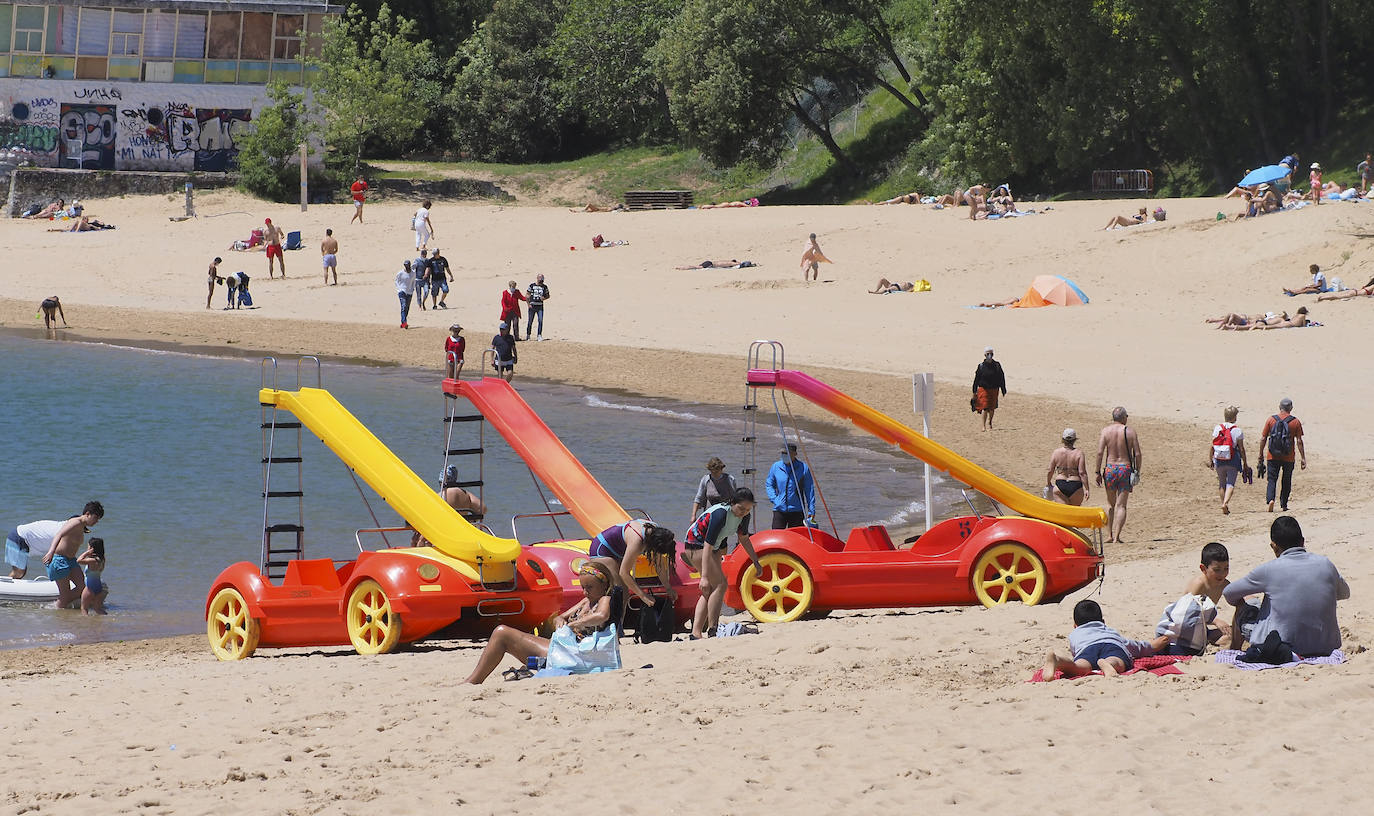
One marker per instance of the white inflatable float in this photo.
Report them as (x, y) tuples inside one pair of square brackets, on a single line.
[(33, 590)]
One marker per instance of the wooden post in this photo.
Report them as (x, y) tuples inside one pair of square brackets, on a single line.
[(305, 187)]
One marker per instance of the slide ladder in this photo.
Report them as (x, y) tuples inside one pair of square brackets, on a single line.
[(283, 450)]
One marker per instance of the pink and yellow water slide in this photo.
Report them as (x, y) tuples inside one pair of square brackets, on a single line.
[(914, 443)]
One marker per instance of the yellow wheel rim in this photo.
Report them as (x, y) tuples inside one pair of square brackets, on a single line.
[(1008, 572), (372, 627), (781, 593), (232, 632)]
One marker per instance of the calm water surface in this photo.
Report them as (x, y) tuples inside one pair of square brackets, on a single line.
[(169, 442)]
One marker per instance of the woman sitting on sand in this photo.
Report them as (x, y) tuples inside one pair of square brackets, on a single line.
[(887, 287), (906, 198), (1067, 477), (588, 615), (49, 211), (1001, 201), (1122, 221)]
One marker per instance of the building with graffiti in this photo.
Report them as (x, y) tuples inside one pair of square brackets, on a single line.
[(145, 84)]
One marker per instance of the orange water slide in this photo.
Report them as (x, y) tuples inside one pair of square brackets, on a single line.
[(542, 451), (932, 453)]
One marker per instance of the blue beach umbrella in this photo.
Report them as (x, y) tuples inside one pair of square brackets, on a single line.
[(1272, 172)]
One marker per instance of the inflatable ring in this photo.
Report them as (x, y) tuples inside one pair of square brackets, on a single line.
[(373, 628), (1008, 572), (232, 632), (782, 592)]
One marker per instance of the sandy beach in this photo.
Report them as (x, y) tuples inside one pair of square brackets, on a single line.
[(874, 709)]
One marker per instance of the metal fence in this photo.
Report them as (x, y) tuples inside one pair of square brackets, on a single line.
[(1123, 181)]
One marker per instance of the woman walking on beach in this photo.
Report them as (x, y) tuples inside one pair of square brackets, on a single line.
[(1227, 456), (1067, 477)]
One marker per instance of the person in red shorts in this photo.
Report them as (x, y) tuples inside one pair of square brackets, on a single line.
[(455, 345), (272, 235), (359, 190)]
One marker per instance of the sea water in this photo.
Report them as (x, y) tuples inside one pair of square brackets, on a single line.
[(170, 443)]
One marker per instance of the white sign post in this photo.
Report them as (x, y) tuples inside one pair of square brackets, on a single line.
[(923, 403)]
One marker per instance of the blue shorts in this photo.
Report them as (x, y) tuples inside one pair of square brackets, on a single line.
[(16, 552), (439, 286), (60, 567), (1097, 651)]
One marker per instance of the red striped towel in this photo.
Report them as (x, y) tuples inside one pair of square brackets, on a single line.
[(1158, 665)]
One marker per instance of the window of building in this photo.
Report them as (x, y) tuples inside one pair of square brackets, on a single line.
[(191, 35), (28, 29), (257, 35), (62, 21), (313, 23), (128, 33), (286, 44), (225, 28), (93, 38), (159, 33), (6, 26)]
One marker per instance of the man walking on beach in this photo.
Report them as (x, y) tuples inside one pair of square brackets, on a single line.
[(439, 277), (988, 380), (536, 293), (1119, 447), (359, 190), (272, 235), (420, 268), (1282, 436), (503, 348), (791, 489), (329, 249), (405, 290)]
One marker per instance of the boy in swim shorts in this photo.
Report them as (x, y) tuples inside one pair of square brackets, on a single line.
[(61, 555), (1098, 647)]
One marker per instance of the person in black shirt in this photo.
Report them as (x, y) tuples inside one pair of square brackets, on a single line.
[(439, 277), (537, 293), (988, 380), (504, 346)]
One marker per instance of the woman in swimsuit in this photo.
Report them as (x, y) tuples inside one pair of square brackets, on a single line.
[(1123, 221), (887, 287), (908, 198), (1266, 319), (1348, 293), (52, 308), (618, 548), (588, 615), (1297, 321), (1067, 477), (1236, 319)]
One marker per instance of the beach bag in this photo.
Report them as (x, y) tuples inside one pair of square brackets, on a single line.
[(597, 240), (595, 652), (921, 285), (1222, 444), (656, 623), (1280, 440), (1185, 622)]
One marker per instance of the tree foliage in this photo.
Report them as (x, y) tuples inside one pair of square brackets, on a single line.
[(269, 154)]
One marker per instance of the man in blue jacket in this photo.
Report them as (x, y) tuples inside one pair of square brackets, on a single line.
[(790, 489)]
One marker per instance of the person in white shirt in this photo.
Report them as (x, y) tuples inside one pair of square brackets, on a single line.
[(424, 230), (1318, 284), (405, 290), (1226, 455)]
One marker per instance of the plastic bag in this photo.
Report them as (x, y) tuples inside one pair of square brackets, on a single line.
[(595, 652)]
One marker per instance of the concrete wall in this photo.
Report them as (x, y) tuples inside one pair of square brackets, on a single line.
[(126, 125), (40, 185)]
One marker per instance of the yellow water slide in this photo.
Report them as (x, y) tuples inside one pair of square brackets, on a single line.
[(932, 453), (417, 502)]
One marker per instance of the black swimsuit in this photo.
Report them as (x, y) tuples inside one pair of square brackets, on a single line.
[(1068, 487)]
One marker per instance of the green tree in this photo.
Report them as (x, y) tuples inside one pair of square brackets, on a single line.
[(269, 154), (377, 82)]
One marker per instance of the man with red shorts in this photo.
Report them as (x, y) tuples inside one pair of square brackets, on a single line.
[(359, 190), (272, 235)]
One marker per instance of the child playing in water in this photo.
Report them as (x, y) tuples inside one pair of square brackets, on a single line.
[(93, 562), (1098, 647)]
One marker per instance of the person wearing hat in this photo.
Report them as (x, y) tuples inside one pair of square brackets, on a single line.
[(1067, 478), (1227, 456), (503, 345), (272, 235), (455, 346), (1314, 183), (791, 489), (988, 380)]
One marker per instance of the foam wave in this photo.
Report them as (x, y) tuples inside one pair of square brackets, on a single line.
[(904, 515), (594, 401)]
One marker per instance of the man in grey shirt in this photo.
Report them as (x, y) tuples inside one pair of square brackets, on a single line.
[(1300, 593)]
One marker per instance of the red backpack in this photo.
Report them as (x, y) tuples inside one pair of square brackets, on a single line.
[(1223, 444)]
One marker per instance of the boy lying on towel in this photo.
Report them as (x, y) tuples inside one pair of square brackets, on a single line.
[(1097, 647)]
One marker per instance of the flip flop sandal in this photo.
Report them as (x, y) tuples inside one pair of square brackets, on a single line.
[(517, 673)]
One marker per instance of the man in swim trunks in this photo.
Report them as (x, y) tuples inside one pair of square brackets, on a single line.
[(329, 250), (60, 558), (272, 235), (1119, 446)]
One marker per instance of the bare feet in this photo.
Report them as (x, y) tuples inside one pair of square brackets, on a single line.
[(1271, 507)]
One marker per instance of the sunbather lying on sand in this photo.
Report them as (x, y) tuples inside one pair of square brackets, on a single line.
[(905, 198), (999, 304), (49, 211), (1296, 321), (85, 224), (1234, 320), (752, 202), (601, 208), (730, 264), (1141, 217), (1366, 291), (887, 287)]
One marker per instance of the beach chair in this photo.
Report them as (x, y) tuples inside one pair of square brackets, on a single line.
[(293, 240)]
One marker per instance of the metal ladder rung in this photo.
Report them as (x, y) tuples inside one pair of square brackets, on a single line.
[(470, 418), (284, 528), (282, 460), (267, 425), (283, 494), (465, 451)]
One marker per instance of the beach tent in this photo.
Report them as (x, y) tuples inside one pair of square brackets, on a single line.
[(1051, 290)]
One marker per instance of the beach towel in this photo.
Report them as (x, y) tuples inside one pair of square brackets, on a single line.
[(1231, 657), (1158, 665)]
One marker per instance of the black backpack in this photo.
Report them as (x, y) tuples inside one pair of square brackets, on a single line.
[(657, 622), (1280, 438)]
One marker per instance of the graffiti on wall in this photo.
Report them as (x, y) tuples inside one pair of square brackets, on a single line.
[(87, 133), (219, 129), (29, 125)]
